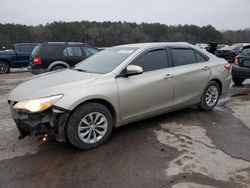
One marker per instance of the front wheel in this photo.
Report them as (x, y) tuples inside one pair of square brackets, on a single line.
[(238, 80), (210, 96), (89, 126)]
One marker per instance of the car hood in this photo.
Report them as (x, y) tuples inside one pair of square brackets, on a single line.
[(49, 84)]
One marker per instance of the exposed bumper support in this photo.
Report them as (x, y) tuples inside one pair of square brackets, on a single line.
[(51, 122)]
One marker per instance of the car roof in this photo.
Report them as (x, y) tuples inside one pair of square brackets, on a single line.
[(63, 43), (247, 46), (226, 48), (29, 43), (155, 44), (240, 44)]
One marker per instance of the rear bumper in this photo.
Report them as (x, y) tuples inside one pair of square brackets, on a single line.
[(37, 71), (240, 72), (51, 122)]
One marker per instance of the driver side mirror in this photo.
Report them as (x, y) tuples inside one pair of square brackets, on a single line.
[(132, 70)]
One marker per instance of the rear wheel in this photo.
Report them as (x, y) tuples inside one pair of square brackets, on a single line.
[(210, 96), (238, 80), (4, 67), (58, 67), (89, 126)]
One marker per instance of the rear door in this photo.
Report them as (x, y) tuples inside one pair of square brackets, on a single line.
[(150, 92), (73, 54), (191, 74)]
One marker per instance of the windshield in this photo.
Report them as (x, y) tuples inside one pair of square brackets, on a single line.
[(105, 61), (246, 50)]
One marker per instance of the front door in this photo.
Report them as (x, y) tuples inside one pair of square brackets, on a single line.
[(150, 92)]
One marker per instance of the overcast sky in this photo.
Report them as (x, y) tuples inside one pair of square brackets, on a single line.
[(223, 14)]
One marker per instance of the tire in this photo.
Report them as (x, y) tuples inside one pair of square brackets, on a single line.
[(58, 67), (77, 126), (210, 96), (4, 67), (238, 80)]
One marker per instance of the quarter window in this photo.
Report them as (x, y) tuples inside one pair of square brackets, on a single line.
[(153, 60), (200, 58), (72, 51), (183, 56)]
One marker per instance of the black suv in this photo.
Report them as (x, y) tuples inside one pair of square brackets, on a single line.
[(241, 70), (58, 55)]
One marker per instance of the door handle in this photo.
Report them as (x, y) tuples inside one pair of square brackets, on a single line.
[(168, 76), (205, 68)]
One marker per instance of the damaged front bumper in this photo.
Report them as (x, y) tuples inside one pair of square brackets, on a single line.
[(50, 122)]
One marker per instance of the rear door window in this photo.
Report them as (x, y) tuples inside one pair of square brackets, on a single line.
[(46, 51), (152, 60), (183, 56), (72, 51)]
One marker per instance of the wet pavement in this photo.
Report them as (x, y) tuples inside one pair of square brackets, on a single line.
[(187, 148)]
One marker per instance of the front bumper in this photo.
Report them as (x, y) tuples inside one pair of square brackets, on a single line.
[(50, 122), (238, 71)]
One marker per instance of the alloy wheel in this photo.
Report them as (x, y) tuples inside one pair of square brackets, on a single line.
[(212, 95), (92, 127)]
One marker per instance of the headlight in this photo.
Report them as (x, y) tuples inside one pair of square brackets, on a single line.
[(37, 105)]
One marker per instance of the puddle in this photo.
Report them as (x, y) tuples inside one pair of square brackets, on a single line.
[(191, 185), (241, 110), (200, 156), (239, 95), (223, 101)]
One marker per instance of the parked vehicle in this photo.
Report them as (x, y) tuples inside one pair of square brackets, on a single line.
[(18, 57), (58, 55), (237, 47), (226, 53), (117, 86), (212, 47), (202, 45), (241, 70), (229, 53), (222, 46)]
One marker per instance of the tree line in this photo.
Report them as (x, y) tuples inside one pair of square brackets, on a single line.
[(105, 34)]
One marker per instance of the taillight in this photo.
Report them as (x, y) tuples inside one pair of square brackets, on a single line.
[(227, 66), (237, 59), (37, 61)]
